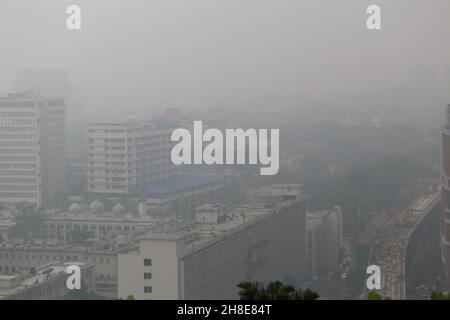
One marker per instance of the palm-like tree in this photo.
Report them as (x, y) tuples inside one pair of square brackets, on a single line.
[(274, 291), (278, 291), (250, 290), (306, 294)]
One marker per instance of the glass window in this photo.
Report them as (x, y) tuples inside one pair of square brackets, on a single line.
[(147, 262)]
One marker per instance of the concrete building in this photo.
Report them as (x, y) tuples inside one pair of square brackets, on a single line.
[(323, 241), (262, 239), (32, 149), (18, 259), (116, 225), (47, 282), (124, 157), (445, 175)]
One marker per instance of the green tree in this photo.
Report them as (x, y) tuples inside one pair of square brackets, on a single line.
[(274, 291), (29, 221), (440, 296), (374, 295), (307, 294), (250, 290)]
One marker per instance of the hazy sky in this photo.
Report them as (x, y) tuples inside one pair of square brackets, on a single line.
[(136, 55)]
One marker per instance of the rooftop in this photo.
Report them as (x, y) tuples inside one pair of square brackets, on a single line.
[(28, 99), (179, 183), (101, 217), (197, 234), (14, 283)]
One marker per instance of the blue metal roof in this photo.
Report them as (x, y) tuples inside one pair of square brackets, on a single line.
[(179, 183)]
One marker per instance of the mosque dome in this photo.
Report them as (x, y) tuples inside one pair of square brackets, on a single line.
[(96, 206), (118, 208), (75, 208)]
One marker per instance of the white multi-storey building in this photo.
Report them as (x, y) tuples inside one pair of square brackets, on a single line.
[(124, 157), (32, 149)]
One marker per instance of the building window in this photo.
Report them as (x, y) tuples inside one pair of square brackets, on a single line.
[(147, 289), (147, 275), (147, 262)]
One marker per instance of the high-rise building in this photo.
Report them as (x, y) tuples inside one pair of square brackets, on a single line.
[(125, 157), (445, 220), (32, 149)]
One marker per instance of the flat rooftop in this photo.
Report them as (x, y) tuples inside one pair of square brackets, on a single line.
[(200, 234), (45, 272), (101, 217), (27, 99)]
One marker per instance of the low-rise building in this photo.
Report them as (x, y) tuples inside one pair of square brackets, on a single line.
[(15, 258), (47, 282), (114, 226)]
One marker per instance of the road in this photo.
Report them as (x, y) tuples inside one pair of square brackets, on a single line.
[(389, 249)]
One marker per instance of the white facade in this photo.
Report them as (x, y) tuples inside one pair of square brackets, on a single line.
[(152, 270), (126, 156), (32, 149)]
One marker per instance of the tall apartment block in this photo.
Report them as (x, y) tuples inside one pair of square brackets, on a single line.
[(32, 149), (125, 157), (445, 220)]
